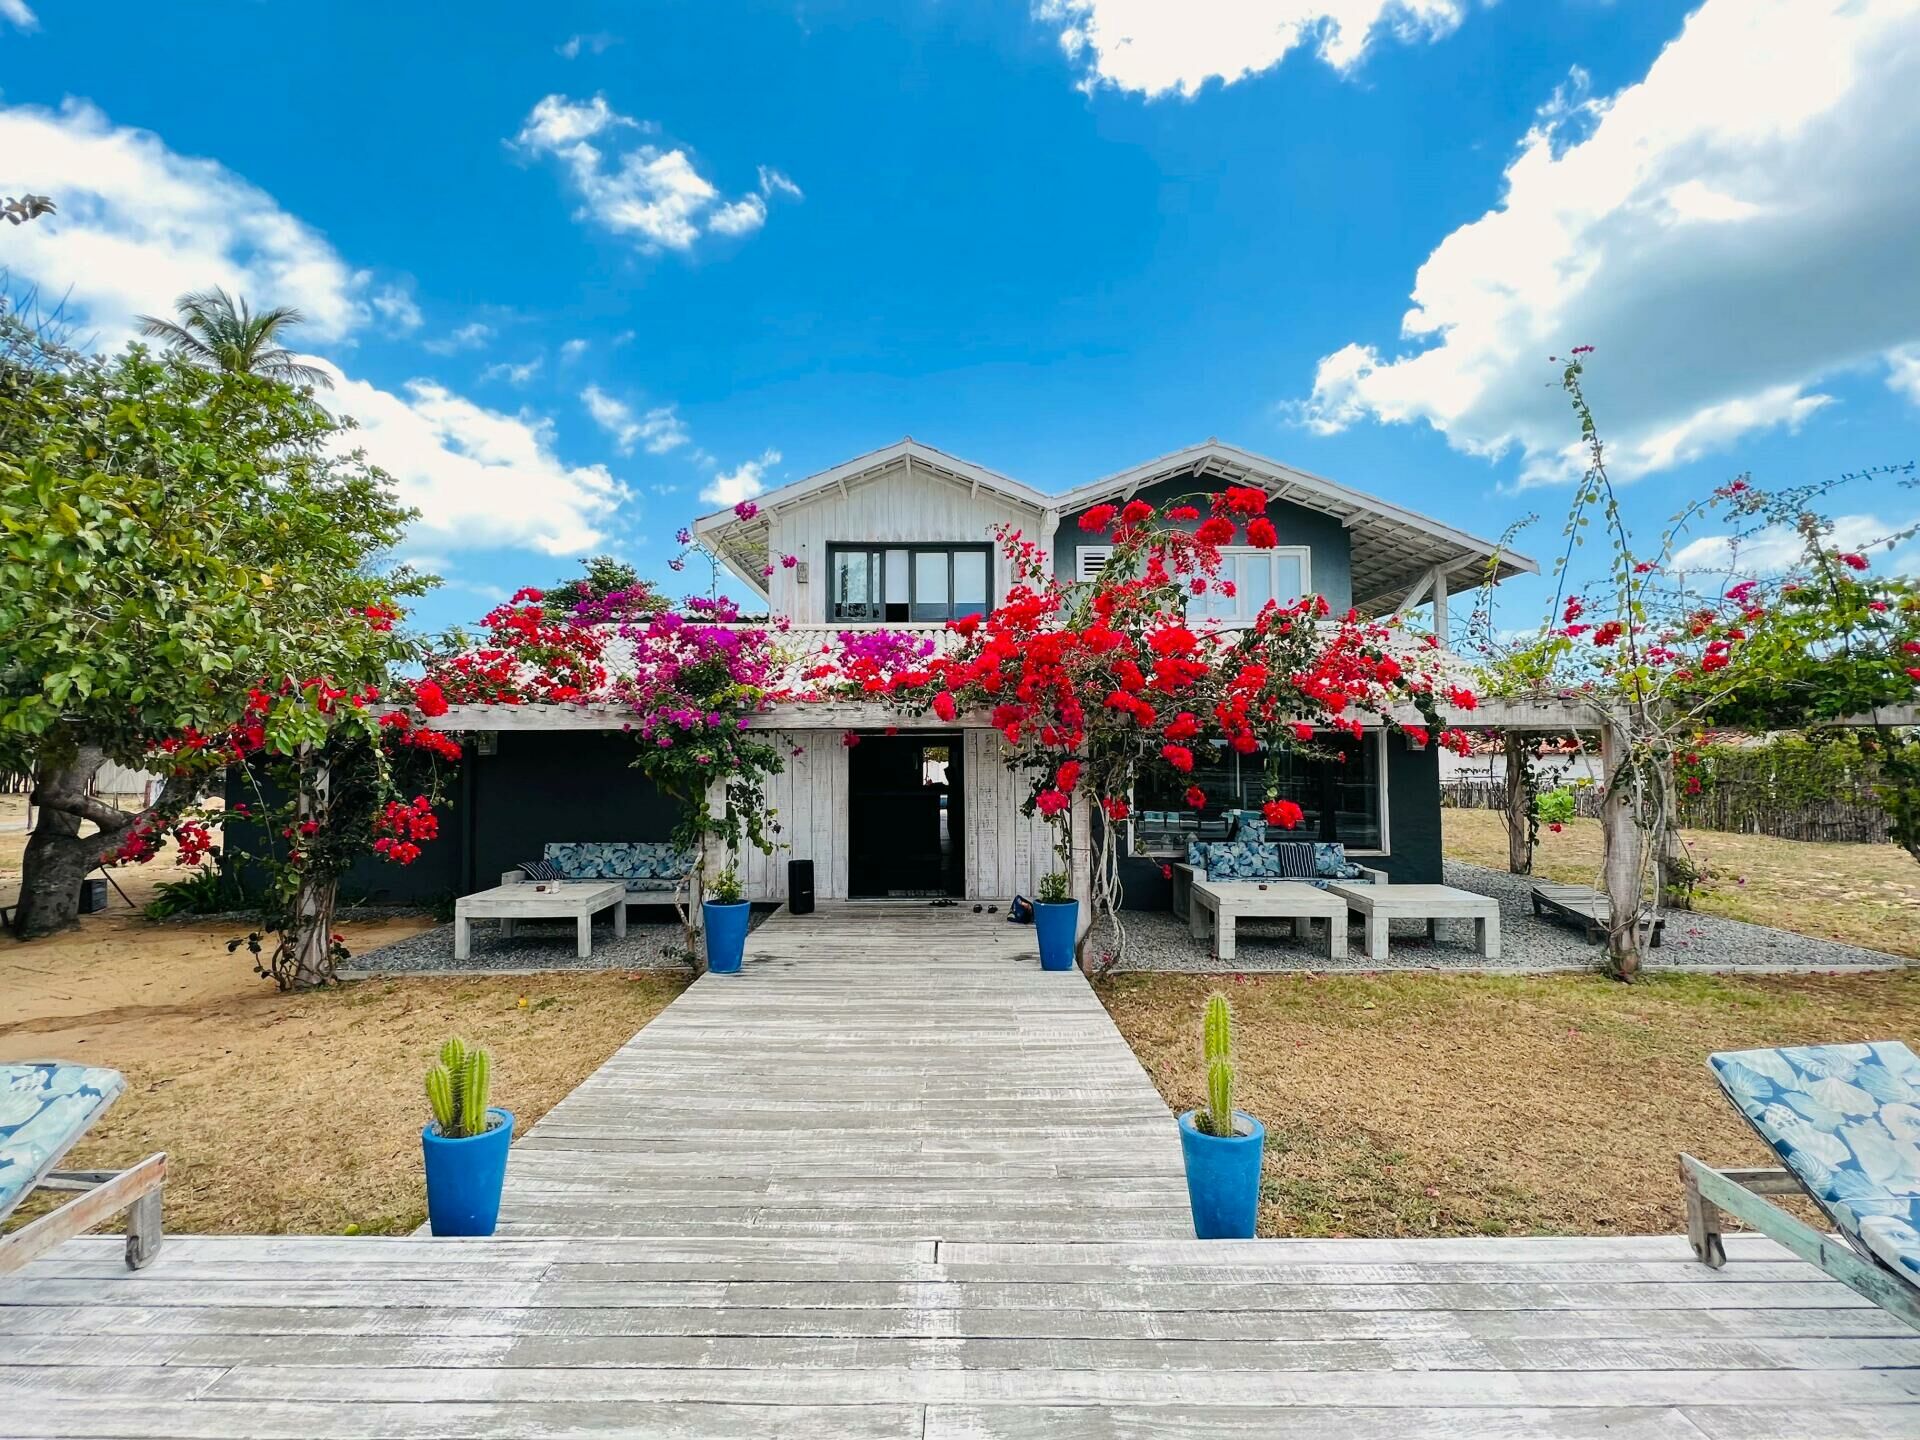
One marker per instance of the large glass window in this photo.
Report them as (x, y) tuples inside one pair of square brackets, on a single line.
[(1258, 576), (1340, 798), (907, 583)]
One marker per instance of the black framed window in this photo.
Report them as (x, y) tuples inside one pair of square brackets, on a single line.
[(898, 584)]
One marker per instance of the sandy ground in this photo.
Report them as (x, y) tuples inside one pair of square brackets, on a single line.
[(290, 1113)]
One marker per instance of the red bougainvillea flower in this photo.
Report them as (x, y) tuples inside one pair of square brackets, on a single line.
[(1261, 534), (1115, 807), (1243, 500), (944, 706), (850, 739), (1183, 726), (1283, 813), (1853, 561), (746, 509), (1068, 775), (1215, 532), (1196, 797), (527, 595), (1136, 511), (1555, 826), (1609, 633), (1416, 735), (1179, 757), (1183, 512), (1051, 802), (1099, 517), (1461, 698), (1303, 732), (430, 698)]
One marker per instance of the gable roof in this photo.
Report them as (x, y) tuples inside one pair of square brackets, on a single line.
[(742, 544), (1394, 549)]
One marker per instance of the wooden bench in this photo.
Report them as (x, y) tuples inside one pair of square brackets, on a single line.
[(1216, 906), (1584, 906)]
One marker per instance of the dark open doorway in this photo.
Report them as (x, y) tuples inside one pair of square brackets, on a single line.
[(904, 819)]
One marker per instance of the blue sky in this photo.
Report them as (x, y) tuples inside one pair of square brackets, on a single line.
[(579, 265)]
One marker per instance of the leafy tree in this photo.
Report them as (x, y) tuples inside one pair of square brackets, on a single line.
[(172, 538), (610, 589), (223, 333)]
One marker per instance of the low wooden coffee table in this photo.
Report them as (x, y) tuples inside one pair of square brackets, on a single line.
[(1215, 906), (577, 900), (1378, 904)]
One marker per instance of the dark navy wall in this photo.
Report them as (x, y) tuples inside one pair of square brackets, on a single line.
[(1332, 546), (540, 786)]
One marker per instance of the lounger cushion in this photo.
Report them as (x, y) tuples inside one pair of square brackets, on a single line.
[(643, 864), (1330, 862), (1845, 1120), (1242, 860), (44, 1108)]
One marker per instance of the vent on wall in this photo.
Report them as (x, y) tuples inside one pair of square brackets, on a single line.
[(1092, 559)]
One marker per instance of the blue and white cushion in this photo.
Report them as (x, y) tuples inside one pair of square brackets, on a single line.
[(1845, 1120), (643, 864), (1330, 862), (44, 1107), (1242, 860)]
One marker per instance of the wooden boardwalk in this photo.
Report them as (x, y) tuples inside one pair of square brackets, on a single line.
[(884, 1070), (894, 1182)]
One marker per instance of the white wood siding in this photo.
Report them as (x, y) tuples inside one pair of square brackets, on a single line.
[(1006, 852), (897, 507)]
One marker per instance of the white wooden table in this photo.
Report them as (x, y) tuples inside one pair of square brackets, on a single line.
[(1379, 904), (577, 900), (1215, 906)]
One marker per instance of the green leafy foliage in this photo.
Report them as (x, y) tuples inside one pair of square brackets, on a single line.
[(212, 890), (1054, 886), (1555, 806), (725, 888)]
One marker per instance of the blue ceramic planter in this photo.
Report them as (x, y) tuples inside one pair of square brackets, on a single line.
[(464, 1177), (726, 927), (1223, 1177), (1056, 921)]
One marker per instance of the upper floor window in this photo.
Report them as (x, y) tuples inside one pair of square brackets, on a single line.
[(1284, 573), (899, 584)]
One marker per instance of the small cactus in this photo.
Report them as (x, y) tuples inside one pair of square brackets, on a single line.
[(457, 1090), (1216, 1039)]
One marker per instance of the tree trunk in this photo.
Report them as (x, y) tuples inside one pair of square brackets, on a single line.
[(1623, 852), (57, 858), (1673, 868), (1519, 810), (304, 957)]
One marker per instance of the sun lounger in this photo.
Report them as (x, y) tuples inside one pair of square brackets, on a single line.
[(1586, 907), (1845, 1122), (44, 1108)]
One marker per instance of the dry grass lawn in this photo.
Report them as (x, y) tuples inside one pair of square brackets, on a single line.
[(291, 1113), (1862, 894), (1458, 1105)]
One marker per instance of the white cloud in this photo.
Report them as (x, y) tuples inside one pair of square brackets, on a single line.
[(139, 226), (397, 307), (654, 193), (773, 182), (479, 477), (659, 430), (1777, 548), (470, 336), (1903, 372), (743, 216), (595, 44), (748, 480), (1724, 232), (572, 350), (19, 13), (512, 374), (1155, 47)]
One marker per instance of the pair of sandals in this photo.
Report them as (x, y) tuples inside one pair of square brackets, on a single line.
[(947, 903)]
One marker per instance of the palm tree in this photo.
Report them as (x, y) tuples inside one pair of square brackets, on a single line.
[(222, 333)]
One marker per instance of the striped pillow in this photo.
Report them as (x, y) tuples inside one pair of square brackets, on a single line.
[(540, 870), (1296, 859)]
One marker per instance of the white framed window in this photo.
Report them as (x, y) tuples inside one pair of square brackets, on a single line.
[(1284, 573), (1343, 801)]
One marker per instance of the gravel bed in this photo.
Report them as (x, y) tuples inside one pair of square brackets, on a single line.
[(653, 943), (1157, 941)]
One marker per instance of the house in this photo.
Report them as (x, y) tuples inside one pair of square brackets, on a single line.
[(904, 539)]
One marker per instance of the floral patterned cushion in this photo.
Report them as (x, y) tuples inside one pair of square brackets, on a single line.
[(1245, 824), (643, 864), (1845, 1119), (1242, 860), (44, 1108), (1330, 862)]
